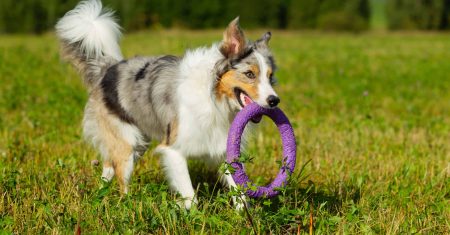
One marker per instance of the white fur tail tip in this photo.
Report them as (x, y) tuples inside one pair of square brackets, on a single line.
[(93, 27)]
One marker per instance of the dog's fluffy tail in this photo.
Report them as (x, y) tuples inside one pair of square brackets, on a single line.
[(90, 38)]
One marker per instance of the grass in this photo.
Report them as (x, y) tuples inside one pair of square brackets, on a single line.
[(370, 111)]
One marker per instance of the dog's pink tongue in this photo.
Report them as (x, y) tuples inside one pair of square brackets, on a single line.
[(247, 100)]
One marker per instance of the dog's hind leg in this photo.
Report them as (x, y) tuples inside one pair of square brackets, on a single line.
[(118, 152), (116, 141), (121, 141), (177, 173), (123, 167)]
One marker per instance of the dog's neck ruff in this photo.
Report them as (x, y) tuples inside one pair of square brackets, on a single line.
[(203, 120)]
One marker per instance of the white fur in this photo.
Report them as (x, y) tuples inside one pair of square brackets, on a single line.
[(177, 173), (91, 129), (107, 174), (203, 123), (129, 167), (264, 88), (238, 201), (130, 133), (94, 27)]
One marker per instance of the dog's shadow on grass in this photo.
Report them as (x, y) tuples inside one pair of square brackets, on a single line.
[(299, 193), (316, 197), (204, 179)]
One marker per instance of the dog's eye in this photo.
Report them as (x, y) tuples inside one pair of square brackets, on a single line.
[(250, 74)]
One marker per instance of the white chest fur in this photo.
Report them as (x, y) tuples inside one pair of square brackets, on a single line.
[(203, 123), (198, 136)]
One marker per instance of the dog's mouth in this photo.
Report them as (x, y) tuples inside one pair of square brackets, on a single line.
[(245, 100), (242, 97)]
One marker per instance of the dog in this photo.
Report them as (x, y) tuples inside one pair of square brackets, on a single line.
[(186, 103)]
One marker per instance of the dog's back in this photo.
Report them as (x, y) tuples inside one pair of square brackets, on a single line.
[(140, 91)]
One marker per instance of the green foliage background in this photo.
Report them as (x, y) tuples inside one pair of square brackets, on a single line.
[(330, 14), (418, 14), (36, 16)]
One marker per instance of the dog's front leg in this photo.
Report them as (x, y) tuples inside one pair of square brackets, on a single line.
[(239, 201), (177, 174)]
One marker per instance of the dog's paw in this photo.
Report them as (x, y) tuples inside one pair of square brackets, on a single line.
[(240, 203), (107, 174), (240, 206), (187, 203)]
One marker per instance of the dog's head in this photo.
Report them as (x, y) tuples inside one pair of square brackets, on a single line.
[(246, 74)]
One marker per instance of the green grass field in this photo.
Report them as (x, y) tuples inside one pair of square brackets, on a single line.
[(371, 113)]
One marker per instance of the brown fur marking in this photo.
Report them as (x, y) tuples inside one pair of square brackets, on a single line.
[(118, 149), (171, 133), (230, 80)]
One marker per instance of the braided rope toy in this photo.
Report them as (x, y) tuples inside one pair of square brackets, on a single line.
[(254, 112)]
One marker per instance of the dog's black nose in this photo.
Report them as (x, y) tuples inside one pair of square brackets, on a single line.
[(273, 100)]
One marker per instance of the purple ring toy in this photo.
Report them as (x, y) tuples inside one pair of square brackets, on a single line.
[(249, 112)]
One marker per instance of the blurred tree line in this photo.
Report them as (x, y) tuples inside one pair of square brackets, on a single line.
[(35, 16), (418, 14)]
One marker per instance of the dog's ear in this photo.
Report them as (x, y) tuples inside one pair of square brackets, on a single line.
[(264, 40), (234, 41)]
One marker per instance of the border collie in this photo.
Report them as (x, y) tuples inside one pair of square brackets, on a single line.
[(186, 103)]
